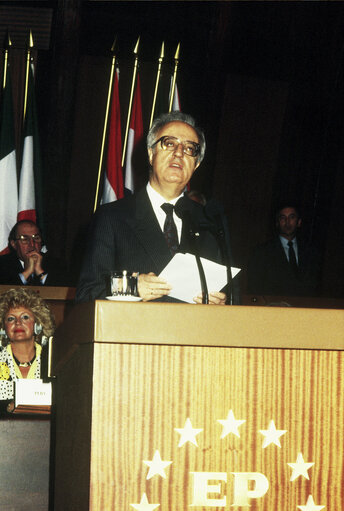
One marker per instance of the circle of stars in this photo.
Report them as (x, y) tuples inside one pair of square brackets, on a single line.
[(230, 425)]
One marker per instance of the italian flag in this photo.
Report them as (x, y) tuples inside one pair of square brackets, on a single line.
[(30, 205), (8, 170)]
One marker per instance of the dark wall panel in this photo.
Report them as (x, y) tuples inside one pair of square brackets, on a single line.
[(247, 157)]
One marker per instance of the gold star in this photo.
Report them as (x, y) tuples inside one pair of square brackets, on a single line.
[(157, 466), (310, 506), (188, 433), (272, 435), (230, 425), (144, 505), (300, 468)]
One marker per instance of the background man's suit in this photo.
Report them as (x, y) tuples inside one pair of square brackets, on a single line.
[(125, 235), (269, 272), (10, 267)]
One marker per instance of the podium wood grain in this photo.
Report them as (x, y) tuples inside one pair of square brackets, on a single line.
[(154, 389), (139, 393)]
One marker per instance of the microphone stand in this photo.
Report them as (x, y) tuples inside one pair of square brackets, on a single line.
[(204, 287), (193, 232), (225, 255), (212, 211)]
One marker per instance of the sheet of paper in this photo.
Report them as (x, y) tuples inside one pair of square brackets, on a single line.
[(182, 273)]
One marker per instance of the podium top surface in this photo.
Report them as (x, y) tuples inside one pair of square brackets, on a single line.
[(203, 325)]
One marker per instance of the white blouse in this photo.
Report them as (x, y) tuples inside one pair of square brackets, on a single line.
[(9, 370)]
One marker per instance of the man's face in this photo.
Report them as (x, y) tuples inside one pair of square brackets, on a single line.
[(22, 248), (288, 222), (172, 170)]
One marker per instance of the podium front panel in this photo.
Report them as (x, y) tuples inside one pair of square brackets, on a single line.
[(204, 427)]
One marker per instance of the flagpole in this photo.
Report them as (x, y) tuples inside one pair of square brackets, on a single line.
[(130, 100), (28, 59), (176, 62), (157, 82), (105, 123), (8, 45)]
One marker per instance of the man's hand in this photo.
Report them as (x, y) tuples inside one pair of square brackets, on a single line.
[(151, 287), (215, 298), (32, 264)]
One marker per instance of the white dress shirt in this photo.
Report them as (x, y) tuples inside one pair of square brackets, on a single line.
[(285, 245), (157, 200)]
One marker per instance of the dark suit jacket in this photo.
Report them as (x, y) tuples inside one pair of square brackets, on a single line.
[(10, 267), (125, 235), (269, 272)]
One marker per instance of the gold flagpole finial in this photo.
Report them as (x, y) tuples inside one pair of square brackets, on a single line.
[(30, 40), (176, 56), (136, 50), (176, 62), (28, 61), (113, 62), (113, 46), (162, 54), (8, 44)]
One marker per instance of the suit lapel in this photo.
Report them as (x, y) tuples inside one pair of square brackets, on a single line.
[(147, 229)]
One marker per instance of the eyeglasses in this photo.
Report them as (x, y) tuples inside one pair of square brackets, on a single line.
[(25, 239), (172, 143)]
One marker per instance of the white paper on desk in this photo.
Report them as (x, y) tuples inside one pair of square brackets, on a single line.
[(182, 274)]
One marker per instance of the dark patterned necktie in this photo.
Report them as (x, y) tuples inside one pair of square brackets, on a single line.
[(292, 258), (170, 229)]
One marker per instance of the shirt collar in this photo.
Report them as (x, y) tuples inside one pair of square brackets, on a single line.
[(157, 199)]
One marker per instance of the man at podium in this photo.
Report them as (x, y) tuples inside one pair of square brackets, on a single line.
[(141, 233)]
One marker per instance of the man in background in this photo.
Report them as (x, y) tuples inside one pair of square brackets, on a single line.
[(285, 265), (26, 264)]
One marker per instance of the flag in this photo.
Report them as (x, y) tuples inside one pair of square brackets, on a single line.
[(176, 100), (8, 170), (113, 180), (30, 206), (176, 108), (134, 137)]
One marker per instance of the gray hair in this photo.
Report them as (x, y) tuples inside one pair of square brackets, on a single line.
[(162, 120)]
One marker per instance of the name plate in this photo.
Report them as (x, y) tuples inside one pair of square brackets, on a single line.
[(32, 396)]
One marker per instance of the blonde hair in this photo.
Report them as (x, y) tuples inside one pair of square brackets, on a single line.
[(29, 299)]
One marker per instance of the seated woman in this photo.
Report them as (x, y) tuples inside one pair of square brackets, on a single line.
[(24, 320)]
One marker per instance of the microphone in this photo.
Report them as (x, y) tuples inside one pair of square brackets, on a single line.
[(214, 212), (182, 209)]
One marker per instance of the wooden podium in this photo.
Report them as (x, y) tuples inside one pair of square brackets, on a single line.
[(176, 407)]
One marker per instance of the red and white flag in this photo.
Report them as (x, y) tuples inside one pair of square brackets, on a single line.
[(113, 180), (8, 170), (134, 136)]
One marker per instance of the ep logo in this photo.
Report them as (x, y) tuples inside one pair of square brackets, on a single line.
[(247, 485)]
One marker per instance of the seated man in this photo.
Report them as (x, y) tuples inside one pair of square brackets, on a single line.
[(25, 264), (285, 265), (139, 233)]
